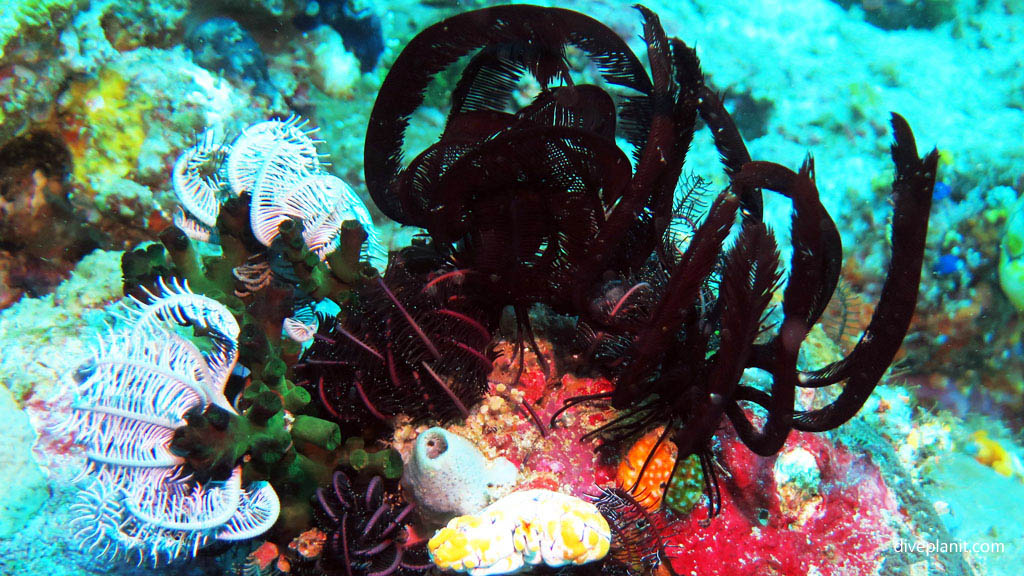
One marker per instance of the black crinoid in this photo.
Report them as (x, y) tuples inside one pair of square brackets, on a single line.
[(366, 529), (539, 205), (414, 341), (685, 354)]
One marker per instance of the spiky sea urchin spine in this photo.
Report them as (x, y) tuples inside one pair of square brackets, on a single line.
[(638, 547)]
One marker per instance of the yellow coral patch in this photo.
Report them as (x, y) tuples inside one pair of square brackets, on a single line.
[(105, 127), (992, 454)]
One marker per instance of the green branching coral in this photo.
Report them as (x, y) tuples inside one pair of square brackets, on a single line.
[(386, 463), (295, 454)]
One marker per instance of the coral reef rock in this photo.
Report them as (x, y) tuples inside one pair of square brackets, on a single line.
[(25, 492)]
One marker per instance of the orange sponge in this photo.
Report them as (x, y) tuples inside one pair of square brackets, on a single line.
[(651, 487)]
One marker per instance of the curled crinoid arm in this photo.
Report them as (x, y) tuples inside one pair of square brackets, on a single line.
[(874, 353), (181, 506), (750, 276), (269, 149), (134, 390), (814, 273), (176, 304), (195, 178), (323, 203), (268, 208), (366, 530), (253, 276), (681, 291), (726, 135), (535, 38), (193, 228), (258, 509), (296, 331), (130, 395), (639, 219)]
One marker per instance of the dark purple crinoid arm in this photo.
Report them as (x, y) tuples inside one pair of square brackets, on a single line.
[(814, 273), (865, 365), (541, 35)]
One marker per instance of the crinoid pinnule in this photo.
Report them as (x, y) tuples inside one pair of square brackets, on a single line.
[(196, 180), (638, 544), (367, 531), (176, 303), (321, 202)]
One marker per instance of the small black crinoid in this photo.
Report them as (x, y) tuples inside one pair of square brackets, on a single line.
[(412, 342), (367, 531), (637, 544)]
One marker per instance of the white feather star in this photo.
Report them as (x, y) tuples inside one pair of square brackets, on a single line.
[(129, 397)]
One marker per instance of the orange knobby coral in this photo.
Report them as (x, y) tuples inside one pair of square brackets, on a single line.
[(310, 543), (650, 488)]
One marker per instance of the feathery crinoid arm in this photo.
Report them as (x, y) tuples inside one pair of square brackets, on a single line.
[(164, 521), (268, 149), (176, 304), (129, 396), (195, 180)]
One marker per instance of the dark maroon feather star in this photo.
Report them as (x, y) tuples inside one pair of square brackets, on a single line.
[(538, 205)]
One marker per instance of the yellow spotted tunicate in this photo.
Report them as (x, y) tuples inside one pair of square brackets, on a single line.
[(650, 489), (522, 529)]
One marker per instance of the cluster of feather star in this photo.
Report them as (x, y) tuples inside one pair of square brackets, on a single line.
[(277, 164), (128, 399)]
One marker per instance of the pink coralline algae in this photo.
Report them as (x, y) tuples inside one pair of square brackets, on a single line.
[(549, 457), (815, 508), (847, 530)]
